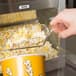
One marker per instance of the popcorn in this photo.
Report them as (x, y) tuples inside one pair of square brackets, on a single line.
[(25, 35), (47, 50), (21, 36)]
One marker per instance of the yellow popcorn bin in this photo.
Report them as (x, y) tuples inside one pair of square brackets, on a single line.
[(24, 65)]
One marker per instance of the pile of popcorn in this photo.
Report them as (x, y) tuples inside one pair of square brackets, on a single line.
[(21, 36), (46, 50), (25, 35)]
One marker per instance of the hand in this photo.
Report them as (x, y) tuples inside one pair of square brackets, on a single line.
[(65, 23)]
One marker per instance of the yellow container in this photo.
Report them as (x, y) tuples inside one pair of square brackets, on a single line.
[(0, 68), (24, 65)]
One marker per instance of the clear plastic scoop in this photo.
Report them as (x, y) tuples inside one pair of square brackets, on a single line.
[(39, 42)]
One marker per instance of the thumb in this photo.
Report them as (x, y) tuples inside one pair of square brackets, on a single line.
[(66, 33)]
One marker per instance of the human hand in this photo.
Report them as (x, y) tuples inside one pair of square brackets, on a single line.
[(65, 23)]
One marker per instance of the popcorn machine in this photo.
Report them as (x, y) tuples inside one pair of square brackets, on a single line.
[(24, 26)]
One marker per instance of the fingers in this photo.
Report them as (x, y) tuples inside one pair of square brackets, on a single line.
[(58, 25), (55, 21), (61, 27), (66, 33)]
